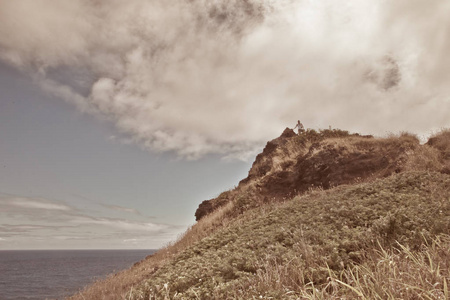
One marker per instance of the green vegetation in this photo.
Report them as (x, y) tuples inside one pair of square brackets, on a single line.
[(313, 136), (386, 239), (370, 219)]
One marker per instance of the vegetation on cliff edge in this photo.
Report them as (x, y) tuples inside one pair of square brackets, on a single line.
[(331, 240), (339, 238)]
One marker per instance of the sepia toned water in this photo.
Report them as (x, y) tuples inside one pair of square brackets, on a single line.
[(54, 274)]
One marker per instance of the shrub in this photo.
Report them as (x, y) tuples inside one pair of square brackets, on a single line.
[(322, 240), (313, 136)]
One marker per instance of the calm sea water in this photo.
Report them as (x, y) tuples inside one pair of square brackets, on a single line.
[(54, 274)]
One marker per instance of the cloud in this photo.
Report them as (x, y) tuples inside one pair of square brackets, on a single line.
[(52, 212), (27, 220), (37, 204), (199, 77), (122, 209), (25, 228), (34, 208), (121, 224)]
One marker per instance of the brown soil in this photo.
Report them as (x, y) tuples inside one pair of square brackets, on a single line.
[(293, 164)]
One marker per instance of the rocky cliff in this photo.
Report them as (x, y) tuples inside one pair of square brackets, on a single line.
[(293, 164), (350, 234)]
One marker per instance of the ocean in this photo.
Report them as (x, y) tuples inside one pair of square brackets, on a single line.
[(54, 274)]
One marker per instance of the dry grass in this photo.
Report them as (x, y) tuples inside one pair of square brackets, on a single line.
[(424, 158), (441, 142), (383, 273), (118, 286), (433, 156), (319, 246), (397, 273)]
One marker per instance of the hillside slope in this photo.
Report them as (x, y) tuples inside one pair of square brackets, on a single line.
[(293, 164), (322, 215), (308, 238)]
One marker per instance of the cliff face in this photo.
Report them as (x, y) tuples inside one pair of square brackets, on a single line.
[(441, 142), (294, 163), (275, 251), (317, 238)]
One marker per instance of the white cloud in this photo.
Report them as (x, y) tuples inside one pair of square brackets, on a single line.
[(199, 77), (54, 212), (38, 204), (134, 241), (41, 223), (34, 208), (122, 209), (121, 224)]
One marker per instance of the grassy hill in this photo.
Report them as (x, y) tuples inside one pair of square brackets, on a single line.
[(323, 215), (283, 251)]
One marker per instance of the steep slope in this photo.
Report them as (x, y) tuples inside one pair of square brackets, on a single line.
[(293, 164), (441, 142), (321, 215), (309, 239)]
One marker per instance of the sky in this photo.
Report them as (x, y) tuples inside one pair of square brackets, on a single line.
[(66, 182), (117, 118)]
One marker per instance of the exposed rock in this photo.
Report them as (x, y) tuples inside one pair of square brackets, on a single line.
[(441, 142), (203, 209), (293, 164)]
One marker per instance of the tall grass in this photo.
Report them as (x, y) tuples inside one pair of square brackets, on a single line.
[(384, 273), (441, 142), (118, 286), (322, 246), (319, 245)]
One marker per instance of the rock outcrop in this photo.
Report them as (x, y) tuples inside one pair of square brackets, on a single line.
[(293, 164)]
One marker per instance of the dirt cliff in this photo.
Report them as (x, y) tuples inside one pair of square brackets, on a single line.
[(294, 163), (299, 248)]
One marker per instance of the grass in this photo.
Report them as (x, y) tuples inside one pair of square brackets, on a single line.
[(118, 286), (347, 158), (320, 246), (378, 239), (384, 273), (441, 142), (313, 136)]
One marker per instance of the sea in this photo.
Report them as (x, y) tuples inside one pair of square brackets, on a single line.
[(55, 274)]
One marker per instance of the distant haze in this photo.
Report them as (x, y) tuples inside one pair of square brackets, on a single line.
[(200, 77)]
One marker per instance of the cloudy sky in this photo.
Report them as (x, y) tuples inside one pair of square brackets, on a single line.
[(118, 117)]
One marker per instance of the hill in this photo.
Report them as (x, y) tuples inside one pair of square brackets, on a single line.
[(323, 214), (293, 164)]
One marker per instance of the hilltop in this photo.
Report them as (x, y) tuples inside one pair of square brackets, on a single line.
[(322, 214), (292, 164)]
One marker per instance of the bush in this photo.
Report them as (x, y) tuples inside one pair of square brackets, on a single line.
[(308, 240), (313, 136)]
